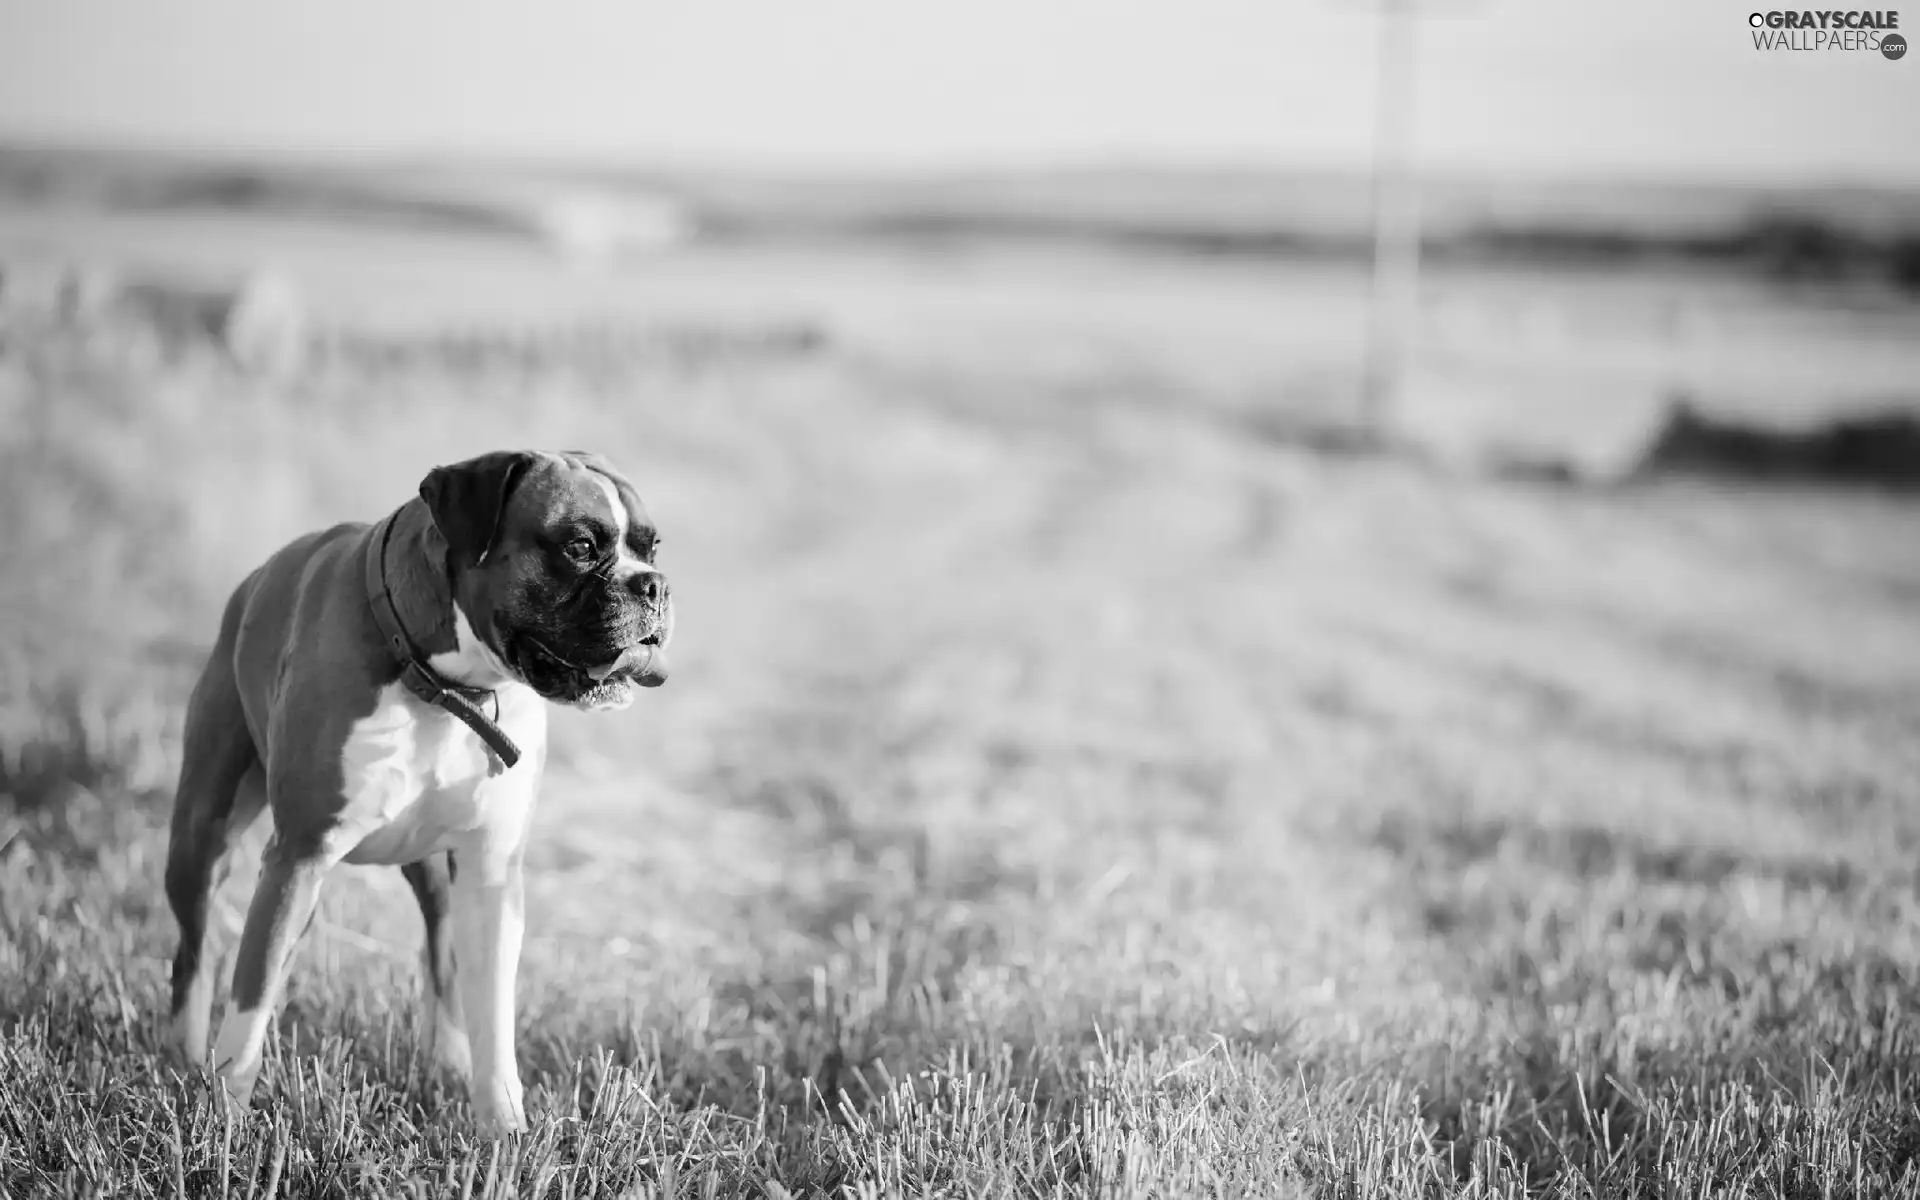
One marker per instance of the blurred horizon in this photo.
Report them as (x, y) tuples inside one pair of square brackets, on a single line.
[(563, 163), (856, 86)]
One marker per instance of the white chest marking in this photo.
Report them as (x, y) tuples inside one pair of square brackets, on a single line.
[(416, 778)]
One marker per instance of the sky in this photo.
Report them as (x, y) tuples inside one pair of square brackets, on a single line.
[(1648, 87)]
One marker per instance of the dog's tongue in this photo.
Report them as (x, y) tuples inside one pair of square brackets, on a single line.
[(653, 672), (648, 663)]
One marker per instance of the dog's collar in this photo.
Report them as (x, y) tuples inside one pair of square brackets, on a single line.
[(420, 679)]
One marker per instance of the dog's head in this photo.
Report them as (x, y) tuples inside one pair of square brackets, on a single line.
[(551, 561)]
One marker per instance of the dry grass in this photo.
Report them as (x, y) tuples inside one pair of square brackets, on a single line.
[(1060, 792)]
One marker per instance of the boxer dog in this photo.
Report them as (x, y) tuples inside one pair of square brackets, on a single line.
[(381, 690)]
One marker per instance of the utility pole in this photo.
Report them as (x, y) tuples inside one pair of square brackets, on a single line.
[(1393, 295)]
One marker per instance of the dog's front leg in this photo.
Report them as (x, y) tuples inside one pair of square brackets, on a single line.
[(283, 904), (488, 920), (443, 1030)]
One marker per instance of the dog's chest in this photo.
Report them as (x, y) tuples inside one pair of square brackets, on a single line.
[(415, 777)]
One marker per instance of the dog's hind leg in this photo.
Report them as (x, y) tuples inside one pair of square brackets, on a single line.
[(221, 792), (442, 1026), (291, 872)]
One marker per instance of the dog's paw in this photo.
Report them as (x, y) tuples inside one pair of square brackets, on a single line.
[(187, 1039), (451, 1052), (445, 1042), (499, 1108), (238, 1095)]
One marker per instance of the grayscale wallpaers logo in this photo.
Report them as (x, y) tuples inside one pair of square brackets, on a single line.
[(1814, 30)]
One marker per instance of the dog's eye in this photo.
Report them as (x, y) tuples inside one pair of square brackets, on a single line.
[(580, 550)]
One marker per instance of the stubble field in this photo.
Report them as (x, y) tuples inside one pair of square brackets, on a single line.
[(1071, 781)]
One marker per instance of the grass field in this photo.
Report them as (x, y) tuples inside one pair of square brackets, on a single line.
[(1067, 785)]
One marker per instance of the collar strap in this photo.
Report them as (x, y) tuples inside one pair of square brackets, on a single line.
[(420, 679)]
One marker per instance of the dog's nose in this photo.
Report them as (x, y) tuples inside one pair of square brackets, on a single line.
[(650, 586)]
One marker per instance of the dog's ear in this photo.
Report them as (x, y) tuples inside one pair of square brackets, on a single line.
[(468, 498)]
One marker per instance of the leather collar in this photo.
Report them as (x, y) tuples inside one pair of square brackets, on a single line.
[(420, 679)]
